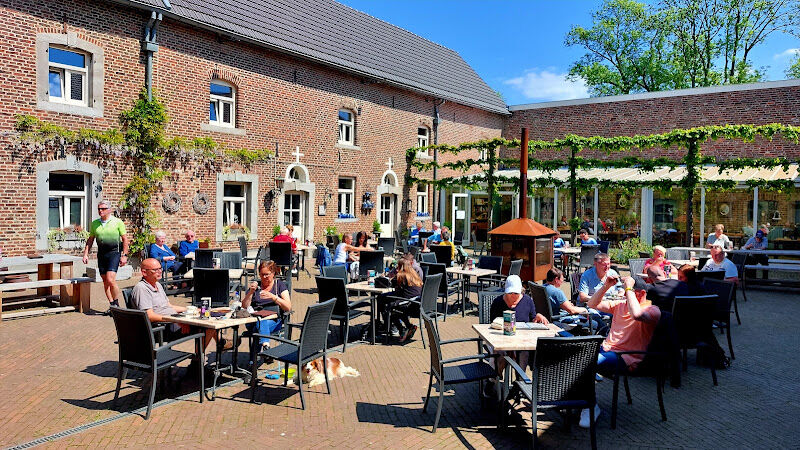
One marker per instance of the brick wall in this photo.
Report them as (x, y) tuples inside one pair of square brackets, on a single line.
[(658, 115), (280, 101)]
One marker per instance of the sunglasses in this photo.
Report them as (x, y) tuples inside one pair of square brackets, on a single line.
[(101, 209)]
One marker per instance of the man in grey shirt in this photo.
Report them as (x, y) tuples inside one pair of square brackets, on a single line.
[(148, 295)]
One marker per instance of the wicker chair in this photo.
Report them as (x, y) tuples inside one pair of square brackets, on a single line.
[(564, 370), (694, 316), (726, 294)]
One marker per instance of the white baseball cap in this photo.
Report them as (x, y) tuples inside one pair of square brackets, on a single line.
[(513, 285)]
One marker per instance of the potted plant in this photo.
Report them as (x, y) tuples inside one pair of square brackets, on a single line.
[(204, 243), (376, 228), (67, 238), (276, 230), (574, 226), (330, 232), (234, 230)]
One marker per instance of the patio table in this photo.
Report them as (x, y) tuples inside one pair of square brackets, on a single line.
[(302, 249), (523, 340), (364, 286), (219, 324), (466, 275)]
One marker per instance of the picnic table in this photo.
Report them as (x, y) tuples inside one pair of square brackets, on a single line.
[(219, 324), (73, 292), (364, 286), (523, 340)]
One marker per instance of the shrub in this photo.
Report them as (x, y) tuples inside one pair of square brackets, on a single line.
[(629, 249)]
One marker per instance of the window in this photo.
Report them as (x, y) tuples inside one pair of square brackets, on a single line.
[(68, 76), (346, 127), (222, 107), (422, 140), (663, 212), (234, 204), (66, 200), (422, 199), (346, 191)]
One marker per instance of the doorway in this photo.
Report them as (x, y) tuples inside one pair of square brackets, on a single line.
[(294, 212), (459, 218), (386, 215)]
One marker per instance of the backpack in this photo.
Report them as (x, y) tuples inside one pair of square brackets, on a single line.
[(461, 255), (323, 256)]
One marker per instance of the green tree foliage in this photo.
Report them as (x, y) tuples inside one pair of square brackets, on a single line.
[(637, 47)]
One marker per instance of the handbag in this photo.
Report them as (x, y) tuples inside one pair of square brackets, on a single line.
[(383, 282)]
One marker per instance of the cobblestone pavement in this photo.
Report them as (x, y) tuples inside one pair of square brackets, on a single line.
[(58, 372)]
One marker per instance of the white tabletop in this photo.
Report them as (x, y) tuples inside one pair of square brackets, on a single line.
[(568, 250), (365, 287), (47, 258), (233, 274), (683, 262), (475, 272), (523, 340), (213, 322)]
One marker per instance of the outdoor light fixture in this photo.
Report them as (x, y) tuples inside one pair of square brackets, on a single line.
[(409, 205)]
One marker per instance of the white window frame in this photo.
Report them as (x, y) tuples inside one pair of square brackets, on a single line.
[(423, 140), (219, 101), (346, 197), (346, 128), (229, 203), (65, 78), (65, 198), (422, 199)]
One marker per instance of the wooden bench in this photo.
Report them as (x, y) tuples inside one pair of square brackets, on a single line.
[(79, 301)]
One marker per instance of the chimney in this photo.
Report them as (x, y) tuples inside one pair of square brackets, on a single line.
[(523, 175)]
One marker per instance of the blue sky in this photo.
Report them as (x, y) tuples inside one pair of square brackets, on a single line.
[(517, 46)]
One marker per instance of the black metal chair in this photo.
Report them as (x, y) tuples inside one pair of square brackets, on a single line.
[(703, 276), (243, 250), (282, 255), (137, 350), (477, 247), (444, 254), (447, 287), (426, 302), (726, 294), (313, 344), (458, 238), (540, 300), (586, 259), (345, 310), (158, 331), (498, 279), (448, 374), (387, 244), (488, 262), (370, 260), (563, 377), (414, 250), (694, 316), (485, 299), (658, 359), (603, 246), (204, 257), (231, 261), (428, 257), (335, 272), (214, 283), (574, 287)]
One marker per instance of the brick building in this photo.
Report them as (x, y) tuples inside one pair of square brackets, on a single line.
[(337, 95)]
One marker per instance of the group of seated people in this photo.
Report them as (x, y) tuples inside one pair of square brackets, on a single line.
[(171, 262)]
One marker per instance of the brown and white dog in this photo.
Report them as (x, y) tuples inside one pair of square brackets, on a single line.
[(312, 373)]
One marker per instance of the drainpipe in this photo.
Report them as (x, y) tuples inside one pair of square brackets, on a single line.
[(150, 46), (438, 208)]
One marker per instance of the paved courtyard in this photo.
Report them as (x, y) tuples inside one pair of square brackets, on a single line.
[(57, 376)]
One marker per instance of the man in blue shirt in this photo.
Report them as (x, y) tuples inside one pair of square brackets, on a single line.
[(436, 237), (413, 236), (594, 278), (757, 242), (559, 303), (190, 245)]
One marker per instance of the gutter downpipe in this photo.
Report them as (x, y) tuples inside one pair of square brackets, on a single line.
[(150, 46), (439, 207)]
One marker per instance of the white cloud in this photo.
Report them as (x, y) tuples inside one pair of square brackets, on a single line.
[(547, 85), (787, 53)]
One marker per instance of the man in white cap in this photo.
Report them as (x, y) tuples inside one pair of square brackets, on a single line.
[(525, 311), (719, 263)]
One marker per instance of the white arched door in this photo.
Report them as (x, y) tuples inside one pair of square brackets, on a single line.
[(386, 213), (294, 212)]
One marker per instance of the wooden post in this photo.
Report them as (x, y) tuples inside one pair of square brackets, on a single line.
[(523, 175)]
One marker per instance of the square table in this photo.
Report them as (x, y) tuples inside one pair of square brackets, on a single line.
[(219, 324), (523, 340), (364, 286), (466, 274)]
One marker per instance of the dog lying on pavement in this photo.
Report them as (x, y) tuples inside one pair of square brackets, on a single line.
[(312, 373)]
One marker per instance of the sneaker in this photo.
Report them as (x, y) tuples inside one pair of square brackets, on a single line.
[(584, 422), (409, 333), (115, 304), (395, 332)]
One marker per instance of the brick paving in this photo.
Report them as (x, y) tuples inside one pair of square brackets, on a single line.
[(58, 372)]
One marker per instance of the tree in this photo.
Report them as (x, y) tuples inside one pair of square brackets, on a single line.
[(626, 50), (794, 70), (634, 47)]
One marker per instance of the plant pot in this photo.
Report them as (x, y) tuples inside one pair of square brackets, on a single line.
[(204, 244)]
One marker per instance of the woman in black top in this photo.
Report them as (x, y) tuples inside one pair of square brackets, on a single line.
[(407, 284), (270, 295)]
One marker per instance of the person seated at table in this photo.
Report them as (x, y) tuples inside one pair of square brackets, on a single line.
[(558, 242), (188, 246), (164, 254), (361, 240), (413, 235), (583, 234), (634, 321), (436, 237), (659, 259), (346, 254), (270, 295), (292, 233), (407, 284), (559, 302), (757, 242), (662, 293), (594, 277), (719, 263), (446, 241), (524, 309), (148, 295), (283, 236), (719, 235), (563, 222), (655, 274)]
